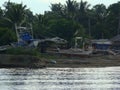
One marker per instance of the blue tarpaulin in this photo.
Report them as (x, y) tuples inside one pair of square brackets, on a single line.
[(102, 46), (26, 37)]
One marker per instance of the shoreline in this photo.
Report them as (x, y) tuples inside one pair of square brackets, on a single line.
[(26, 61)]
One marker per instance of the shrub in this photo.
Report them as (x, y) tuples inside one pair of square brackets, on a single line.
[(6, 36)]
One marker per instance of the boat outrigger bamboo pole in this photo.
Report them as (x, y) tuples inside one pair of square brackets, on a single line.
[(17, 32), (31, 30)]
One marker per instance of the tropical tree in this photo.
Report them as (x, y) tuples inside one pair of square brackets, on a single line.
[(57, 9), (29, 17), (84, 7), (113, 19), (66, 29), (1, 13), (82, 14), (6, 36), (100, 14), (100, 11), (39, 26), (14, 13)]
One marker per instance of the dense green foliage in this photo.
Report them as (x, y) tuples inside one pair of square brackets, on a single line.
[(6, 36), (66, 21)]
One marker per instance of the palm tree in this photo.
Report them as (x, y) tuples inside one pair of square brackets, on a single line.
[(29, 17), (84, 6), (100, 14), (14, 13), (58, 10), (100, 11), (56, 7), (71, 9), (1, 13)]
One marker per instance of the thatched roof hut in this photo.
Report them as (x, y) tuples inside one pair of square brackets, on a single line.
[(116, 42), (116, 38)]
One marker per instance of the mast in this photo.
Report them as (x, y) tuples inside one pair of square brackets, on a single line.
[(89, 27), (118, 31)]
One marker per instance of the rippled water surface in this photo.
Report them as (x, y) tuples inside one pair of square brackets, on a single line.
[(60, 79)]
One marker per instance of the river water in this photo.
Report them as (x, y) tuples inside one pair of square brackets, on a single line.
[(60, 79)]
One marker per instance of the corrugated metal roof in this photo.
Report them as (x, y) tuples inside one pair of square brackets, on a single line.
[(102, 41)]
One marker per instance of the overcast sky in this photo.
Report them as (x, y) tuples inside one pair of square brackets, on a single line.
[(39, 6)]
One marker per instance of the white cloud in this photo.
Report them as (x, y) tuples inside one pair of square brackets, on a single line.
[(52, 1)]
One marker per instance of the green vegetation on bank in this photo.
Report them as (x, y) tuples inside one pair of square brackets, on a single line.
[(22, 51), (30, 52)]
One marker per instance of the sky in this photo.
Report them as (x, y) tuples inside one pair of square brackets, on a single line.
[(39, 6)]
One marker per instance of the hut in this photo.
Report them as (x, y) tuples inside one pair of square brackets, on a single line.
[(101, 44), (116, 42)]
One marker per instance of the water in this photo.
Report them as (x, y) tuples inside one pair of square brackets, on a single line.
[(60, 79)]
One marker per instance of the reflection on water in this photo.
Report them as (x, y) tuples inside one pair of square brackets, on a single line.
[(60, 79)]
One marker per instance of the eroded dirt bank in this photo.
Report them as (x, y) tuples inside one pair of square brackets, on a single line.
[(11, 61)]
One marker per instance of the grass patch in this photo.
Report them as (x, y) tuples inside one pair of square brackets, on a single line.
[(32, 52), (22, 51), (29, 51), (53, 56)]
